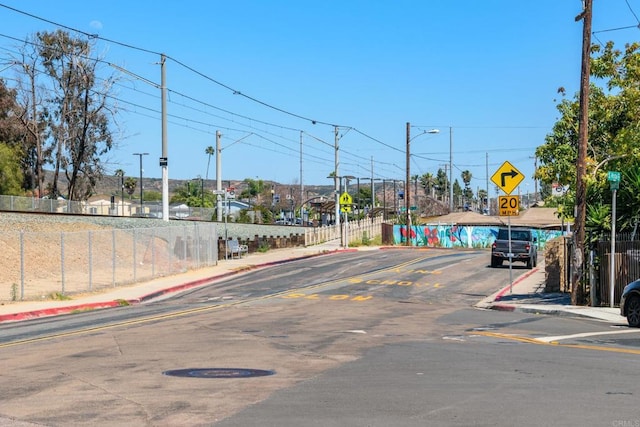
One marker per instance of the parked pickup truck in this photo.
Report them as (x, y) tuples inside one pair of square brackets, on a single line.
[(524, 247)]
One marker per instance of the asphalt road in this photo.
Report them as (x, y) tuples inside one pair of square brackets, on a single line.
[(366, 338)]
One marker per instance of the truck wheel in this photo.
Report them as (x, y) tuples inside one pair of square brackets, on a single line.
[(495, 262), (530, 262)]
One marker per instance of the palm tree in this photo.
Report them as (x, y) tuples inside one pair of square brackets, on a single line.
[(210, 152), (427, 181), (130, 186), (468, 193)]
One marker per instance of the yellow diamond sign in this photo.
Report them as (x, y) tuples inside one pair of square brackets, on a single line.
[(345, 202), (507, 177)]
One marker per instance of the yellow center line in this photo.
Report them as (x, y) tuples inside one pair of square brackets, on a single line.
[(198, 309), (555, 343)]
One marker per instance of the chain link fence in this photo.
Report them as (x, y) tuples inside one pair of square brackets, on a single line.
[(63, 263)]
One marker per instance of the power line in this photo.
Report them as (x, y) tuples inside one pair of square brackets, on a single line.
[(229, 88), (632, 12)]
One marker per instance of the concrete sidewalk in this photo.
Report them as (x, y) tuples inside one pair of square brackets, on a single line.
[(525, 294)]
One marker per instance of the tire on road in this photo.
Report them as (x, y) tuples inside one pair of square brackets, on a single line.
[(633, 311)]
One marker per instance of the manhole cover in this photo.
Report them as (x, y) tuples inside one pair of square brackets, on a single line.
[(218, 373)]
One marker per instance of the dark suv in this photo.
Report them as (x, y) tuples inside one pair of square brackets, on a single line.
[(524, 247)]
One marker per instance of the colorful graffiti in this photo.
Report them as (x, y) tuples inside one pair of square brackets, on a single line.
[(459, 236)]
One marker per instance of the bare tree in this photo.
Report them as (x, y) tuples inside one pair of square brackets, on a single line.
[(78, 117), (33, 116)]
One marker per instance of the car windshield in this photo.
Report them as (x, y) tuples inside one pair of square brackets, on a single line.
[(515, 235)]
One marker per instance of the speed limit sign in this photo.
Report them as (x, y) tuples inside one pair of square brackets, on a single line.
[(508, 206)]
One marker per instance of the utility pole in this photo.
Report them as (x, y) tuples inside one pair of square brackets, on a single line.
[(164, 160), (218, 177), (450, 169), (301, 182), (407, 188), (583, 133), (486, 167), (373, 191), (336, 181)]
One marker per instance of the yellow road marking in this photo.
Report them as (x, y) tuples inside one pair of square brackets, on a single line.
[(556, 344), (197, 310)]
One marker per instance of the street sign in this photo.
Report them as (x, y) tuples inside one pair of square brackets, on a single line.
[(507, 177), (508, 206), (614, 180), (345, 199), (345, 202)]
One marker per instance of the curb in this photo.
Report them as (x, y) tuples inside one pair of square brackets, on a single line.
[(45, 312), (56, 311), (504, 290), (490, 301)]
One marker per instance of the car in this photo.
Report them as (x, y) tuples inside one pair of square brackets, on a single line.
[(515, 244), (630, 303)]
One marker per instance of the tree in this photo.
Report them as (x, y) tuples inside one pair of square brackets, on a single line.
[(483, 200), (209, 151), (77, 112), (34, 112), (130, 186), (12, 137), (468, 192), (613, 131), (428, 182), (254, 189), (457, 191), (10, 173), (442, 183)]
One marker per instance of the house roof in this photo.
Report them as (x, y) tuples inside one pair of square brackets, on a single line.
[(533, 217), (539, 218), (465, 218)]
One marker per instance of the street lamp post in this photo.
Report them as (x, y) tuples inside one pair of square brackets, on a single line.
[(141, 200), (450, 169), (407, 182)]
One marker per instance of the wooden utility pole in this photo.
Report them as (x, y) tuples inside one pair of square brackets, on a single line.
[(581, 190)]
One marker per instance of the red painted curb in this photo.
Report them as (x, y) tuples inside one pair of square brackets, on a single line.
[(518, 280), (55, 311), (14, 317)]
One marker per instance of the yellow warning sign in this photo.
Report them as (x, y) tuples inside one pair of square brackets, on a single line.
[(345, 202), (507, 177), (508, 206)]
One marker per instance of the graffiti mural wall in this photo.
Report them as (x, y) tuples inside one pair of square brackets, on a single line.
[(459, 236)]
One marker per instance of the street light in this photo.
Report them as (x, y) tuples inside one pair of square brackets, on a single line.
[(407, 182), (141, 202), (451, 169)]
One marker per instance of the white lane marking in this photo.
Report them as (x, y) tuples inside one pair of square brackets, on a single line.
[(584, 335)]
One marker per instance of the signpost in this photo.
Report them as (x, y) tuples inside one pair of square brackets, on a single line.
[(614, 183), (507, 177), (345, 208)]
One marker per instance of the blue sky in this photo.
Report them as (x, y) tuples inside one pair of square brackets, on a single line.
[(486, 70)]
